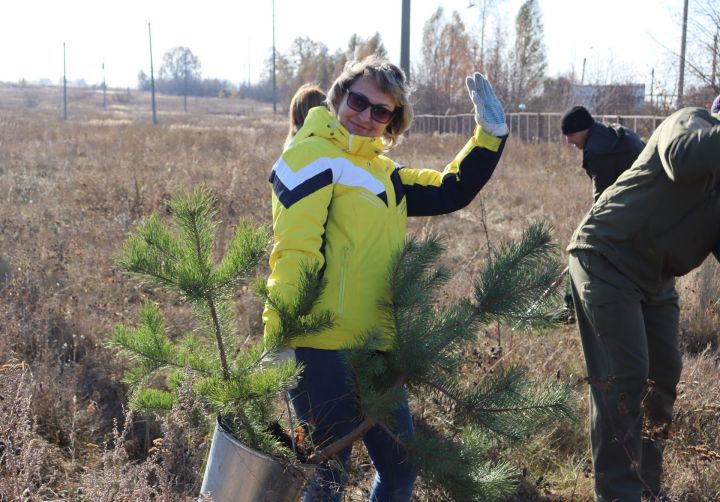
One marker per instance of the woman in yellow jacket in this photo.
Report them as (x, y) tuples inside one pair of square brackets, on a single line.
[(340, 203)]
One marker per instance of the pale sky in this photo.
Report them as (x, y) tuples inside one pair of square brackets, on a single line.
[(619, 38)]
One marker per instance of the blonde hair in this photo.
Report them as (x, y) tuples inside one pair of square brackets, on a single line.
[(306, 97), (389, 79)]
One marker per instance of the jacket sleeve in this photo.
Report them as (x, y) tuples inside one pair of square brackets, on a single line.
[(430, 192), (689, 149), (300, 200)]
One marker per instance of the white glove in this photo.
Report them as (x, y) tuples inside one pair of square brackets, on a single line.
[(489, 113)]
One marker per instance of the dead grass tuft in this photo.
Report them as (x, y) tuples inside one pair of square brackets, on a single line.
[(27, 462), (114, 476)]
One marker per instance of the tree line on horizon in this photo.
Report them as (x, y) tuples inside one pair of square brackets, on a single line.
[(516, 65)]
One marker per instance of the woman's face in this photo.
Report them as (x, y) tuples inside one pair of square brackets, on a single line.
[(365, 92)]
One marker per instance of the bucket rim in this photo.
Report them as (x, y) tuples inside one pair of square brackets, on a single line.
[(295, 464)]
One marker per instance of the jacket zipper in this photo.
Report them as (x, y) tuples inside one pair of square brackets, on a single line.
[(343, 280)]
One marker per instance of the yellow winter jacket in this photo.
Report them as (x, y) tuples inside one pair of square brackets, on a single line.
[(338, 202)]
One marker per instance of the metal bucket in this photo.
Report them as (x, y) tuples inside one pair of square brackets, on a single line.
[(236, 473)]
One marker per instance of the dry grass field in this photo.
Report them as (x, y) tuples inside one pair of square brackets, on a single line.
[(73, 190)]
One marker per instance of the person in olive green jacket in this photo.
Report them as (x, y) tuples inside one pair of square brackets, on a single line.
[(658, 221)]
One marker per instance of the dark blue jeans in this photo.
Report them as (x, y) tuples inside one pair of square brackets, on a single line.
[(323, 399)]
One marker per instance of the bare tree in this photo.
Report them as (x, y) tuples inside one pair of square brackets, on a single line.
[(447, 57), (498, 65), (486, 7), (310, 62), (702, 57), (529, 61), (372, 45), (180, 72)]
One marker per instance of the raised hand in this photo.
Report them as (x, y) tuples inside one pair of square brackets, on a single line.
[(489, 113)]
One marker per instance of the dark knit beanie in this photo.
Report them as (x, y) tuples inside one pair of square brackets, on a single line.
[(577, 119)]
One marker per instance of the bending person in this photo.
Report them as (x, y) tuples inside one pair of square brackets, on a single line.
[(659, 221), (340, 203), (608, 150)]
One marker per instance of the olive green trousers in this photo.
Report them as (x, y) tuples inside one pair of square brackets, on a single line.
[(630, 343)]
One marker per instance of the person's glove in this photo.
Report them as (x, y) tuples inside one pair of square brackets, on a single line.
[(489, 113)]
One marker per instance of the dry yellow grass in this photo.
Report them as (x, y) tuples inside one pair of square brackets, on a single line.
[(72, 191)]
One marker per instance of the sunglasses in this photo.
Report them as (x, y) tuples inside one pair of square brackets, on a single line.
[(378, 113)]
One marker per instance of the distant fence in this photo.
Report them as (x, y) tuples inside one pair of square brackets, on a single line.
[(528, 127)]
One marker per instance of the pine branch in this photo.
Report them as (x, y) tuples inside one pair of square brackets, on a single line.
[(153, 401), (244, 253), (195, 215), (519, 275), (510, 405), (445, 389), (299, 317), (237, 385), (460, 468), (427, 353)]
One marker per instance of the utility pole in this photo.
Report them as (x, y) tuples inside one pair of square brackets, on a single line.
[(273, 42), (152, 79), (104, 88), (405, 39), (713, 75), (185, 80), (483, 8), (64, 86), (681, 77), (652, 88), (582, 75), (483, 17)]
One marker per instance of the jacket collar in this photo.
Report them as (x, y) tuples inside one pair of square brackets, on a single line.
[(320, 122)]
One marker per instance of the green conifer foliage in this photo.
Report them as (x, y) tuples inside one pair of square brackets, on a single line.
[(243, 385), (240, 385), (452, 454)]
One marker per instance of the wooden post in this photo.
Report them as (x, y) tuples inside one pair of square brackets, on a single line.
[(152, 79), (273, 62), (713, 73), (527, 128), (65, 115), (405, 38), (681, 77), (185, 71), (104, 88)]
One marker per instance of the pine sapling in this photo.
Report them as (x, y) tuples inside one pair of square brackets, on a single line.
[(240, 385), (427, 342), (243, 385)]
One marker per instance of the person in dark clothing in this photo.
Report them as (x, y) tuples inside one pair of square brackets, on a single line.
[(658, 221), (608, 149)]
